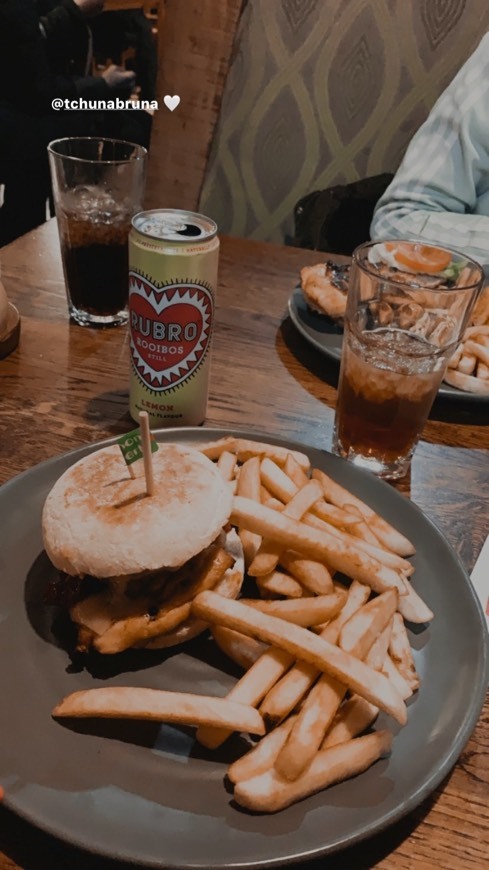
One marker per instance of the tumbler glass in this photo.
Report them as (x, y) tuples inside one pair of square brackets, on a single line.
[(98, 186), (407, 307)]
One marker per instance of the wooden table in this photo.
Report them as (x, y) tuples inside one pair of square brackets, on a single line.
[(66, 386), (116, 5)]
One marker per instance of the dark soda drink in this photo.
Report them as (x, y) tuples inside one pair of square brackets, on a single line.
[(94, 231), (98, 185), (96, 265)]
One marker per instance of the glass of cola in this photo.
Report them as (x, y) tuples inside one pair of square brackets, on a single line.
[(98, 185)]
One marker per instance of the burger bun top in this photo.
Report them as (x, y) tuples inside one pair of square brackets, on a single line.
[(98, 520)]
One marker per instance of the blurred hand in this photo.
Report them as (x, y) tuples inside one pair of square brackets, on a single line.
[(90, 7), (116, 77)]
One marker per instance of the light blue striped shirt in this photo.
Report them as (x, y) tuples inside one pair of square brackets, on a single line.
[(440, 192)]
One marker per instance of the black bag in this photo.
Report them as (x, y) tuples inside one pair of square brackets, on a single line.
[(338, 219)]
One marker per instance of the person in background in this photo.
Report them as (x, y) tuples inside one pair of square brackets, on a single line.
[(45, 52), (67, 40), (116, 31), (440, 193)]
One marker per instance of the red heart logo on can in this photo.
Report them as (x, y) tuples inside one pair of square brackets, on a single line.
[(170, 328)]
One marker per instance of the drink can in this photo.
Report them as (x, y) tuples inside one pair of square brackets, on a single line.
[(173, 258)]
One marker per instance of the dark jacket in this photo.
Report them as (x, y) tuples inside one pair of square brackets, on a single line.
[(43, 50)]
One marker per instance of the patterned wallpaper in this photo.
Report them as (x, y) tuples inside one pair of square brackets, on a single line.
[(322, 92)]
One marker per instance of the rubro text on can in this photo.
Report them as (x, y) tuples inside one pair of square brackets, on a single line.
[(173, 257)]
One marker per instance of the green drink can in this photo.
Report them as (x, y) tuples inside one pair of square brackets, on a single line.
[(173, 259)]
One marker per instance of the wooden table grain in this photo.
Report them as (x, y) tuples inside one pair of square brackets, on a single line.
[(117, 5), (66, 386)]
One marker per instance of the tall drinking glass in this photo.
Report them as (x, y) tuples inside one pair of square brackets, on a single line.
[(407, 307), (98, 186)]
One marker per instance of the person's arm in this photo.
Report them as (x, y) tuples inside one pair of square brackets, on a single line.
[(440, 192), (65, 34), (64, 28)]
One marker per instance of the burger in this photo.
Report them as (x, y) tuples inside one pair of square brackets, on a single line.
[(325, 288), (129, 564)]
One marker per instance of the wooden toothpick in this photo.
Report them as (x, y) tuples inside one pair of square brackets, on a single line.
[(147, 457)]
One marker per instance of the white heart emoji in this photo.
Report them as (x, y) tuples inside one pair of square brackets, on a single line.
[(171, 102)]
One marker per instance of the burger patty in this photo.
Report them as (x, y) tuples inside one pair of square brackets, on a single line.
[(137, 602), (66, 591)]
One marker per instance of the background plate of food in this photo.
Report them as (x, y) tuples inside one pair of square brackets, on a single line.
[(151, 793), (317, 305)]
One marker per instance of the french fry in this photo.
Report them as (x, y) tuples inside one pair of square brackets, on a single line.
[(294, 471), (312, 723), (339, 553), (214, 449), (466, 382), (477, 331), (284, 488), (269, 792), (249, 479), (391, 537), (227, 465), (123, 633), (302, 500), (262, 756), (302, 644), (337, 517), (357, 596), (401, 653), (247, 448), (412, 607), (468, 368), (364, 626), (478, 350), (467, 362), (313, 576), (274, 503), (396, 679), (320, 706), (265, 495), (480, 314), (385, 557), (456, 356), (378, 651), (278, 583), (155, 705), (268, 554), (289, 691), (303, 611), (250, 689), (353, 717), (240, 648), (249, 486), (361, 529)]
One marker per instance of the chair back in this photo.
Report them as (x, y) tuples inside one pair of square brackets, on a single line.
[(280, 98)]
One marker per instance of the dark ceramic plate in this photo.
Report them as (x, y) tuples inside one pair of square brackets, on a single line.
[(327, 337), (147, 794)]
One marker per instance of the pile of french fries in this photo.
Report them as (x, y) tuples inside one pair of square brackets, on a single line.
[(320, 636), (468, 368)]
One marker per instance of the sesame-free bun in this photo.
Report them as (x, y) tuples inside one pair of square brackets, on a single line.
[(98, 520)]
